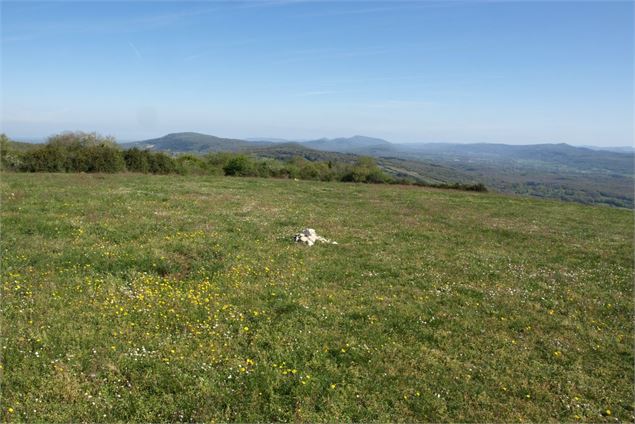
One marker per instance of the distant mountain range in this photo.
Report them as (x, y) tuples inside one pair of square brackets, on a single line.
[(196, 142), (353, 144), (537, 155), (560, 171)]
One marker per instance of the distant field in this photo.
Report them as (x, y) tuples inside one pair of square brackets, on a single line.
[(168, 298)]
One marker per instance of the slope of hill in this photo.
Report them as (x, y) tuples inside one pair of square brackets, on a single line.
[(170, 298), (558, 171), (353, 144), (271, 140), (545, 155), (422, 171), (293, 149), (191, 142), (560, 155), (619, 149)]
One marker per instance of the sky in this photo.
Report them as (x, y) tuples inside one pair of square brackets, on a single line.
[(515, 72)]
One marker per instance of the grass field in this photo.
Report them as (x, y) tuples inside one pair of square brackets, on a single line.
[(149, 298)]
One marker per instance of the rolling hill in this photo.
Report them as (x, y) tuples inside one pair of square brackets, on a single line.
[(422, 170), (561, 155), (557, 171), (192, 142), (355, 144), (538, 155)]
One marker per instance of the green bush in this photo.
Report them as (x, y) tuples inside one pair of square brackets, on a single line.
[(75, 152), (137, 160), (103, 158), (10, 158), (240, 166), (365, 170), (188, 164), (45, 159), (160, 163)]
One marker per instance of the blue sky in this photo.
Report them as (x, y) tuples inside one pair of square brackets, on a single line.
[(418, 71)]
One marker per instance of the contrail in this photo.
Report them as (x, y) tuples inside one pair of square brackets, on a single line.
[(136, 51)]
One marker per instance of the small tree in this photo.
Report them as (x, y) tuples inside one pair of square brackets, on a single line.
[(239, 165), (136, 160), (10, 159), (160, 163), (104, 158), (365, 170), (191, 164)]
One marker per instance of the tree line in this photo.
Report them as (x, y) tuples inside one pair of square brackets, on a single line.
[(93, 153)]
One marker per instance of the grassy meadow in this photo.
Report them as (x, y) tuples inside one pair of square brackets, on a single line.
[(170, 298)]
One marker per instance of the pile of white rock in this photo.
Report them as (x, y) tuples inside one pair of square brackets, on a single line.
[(308, 236)]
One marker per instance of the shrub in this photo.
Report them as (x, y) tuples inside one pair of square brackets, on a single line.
[(45, 159), (10, 159), (476, 187), (191, 165), (137, 160), (160, 163), (239, 165), (75, 152), (365, 170), (102, 158)]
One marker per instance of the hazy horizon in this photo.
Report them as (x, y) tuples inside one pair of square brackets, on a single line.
[(42, 139), (450, 72)]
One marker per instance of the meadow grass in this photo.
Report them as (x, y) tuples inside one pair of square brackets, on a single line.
[(169, 298)]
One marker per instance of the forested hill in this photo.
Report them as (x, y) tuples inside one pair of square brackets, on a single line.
[(192, 142)]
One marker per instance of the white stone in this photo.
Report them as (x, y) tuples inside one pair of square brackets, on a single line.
[(309, 236)]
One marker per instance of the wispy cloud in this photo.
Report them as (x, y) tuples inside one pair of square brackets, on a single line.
[(316, 93), (331, 53), (135, 50), (17, 38), (212, 48), (398, 104), (400, 5), (271, 3), (325, 54), (335, 12), (35, 114), (135, 24)]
